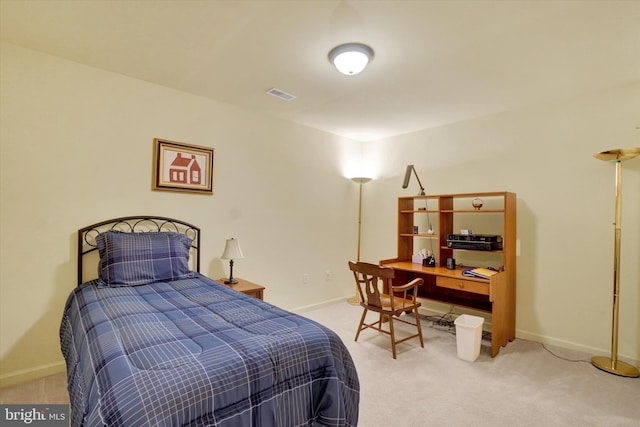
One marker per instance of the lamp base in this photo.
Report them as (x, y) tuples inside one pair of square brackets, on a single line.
[(230, 281), (623, 369)]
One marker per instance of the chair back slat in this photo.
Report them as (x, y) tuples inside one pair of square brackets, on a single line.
[(373, 291), (370, 278)]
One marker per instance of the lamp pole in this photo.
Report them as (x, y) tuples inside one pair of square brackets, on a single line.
[(611, 364), (359, 181)]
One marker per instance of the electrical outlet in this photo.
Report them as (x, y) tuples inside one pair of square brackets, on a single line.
[(305, 278), (328, 276)]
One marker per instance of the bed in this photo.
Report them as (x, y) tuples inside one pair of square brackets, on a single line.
[(152, 342)]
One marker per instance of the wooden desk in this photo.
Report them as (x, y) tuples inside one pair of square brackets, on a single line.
[(451, 287), (246, 287)]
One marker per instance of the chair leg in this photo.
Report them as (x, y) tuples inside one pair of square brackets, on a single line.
[(419, 327), (360, 328), (393, 336)]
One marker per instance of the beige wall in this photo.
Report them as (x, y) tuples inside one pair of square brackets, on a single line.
[(565, 208), (76, 148)]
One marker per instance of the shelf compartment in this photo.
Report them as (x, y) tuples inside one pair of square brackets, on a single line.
[(420, 211), (472, 211), (496, 251)]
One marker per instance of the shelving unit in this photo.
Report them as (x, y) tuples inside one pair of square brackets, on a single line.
[(448, 214)]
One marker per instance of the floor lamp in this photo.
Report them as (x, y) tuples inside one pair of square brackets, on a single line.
[(355, 300), (611, 364)]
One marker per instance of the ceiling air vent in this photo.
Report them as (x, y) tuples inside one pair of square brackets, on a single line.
[(280, 94)]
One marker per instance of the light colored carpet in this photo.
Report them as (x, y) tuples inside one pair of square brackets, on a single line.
[(47, 390), (524, 385)]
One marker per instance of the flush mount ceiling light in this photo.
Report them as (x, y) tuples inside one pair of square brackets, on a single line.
[(351, 58)]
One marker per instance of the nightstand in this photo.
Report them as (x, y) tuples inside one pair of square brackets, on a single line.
[(246, 287)]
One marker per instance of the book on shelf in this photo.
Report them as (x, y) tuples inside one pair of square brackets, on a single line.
[(483, 273)]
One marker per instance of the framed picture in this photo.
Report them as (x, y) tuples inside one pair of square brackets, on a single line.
[(182, 167)]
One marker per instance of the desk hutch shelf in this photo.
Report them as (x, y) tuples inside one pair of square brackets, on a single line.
[(425, 222)]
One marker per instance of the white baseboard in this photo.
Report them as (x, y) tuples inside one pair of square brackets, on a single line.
[(318, 305), (434, 308), (25, 375), (570, 345)]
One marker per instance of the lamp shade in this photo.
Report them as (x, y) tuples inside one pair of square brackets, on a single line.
[(232, 250), (350, 58)]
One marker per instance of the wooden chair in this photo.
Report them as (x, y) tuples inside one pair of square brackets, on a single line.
[(400, 299)]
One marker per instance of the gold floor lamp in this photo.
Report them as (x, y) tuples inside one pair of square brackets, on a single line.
[(611, 364), (359, 180)]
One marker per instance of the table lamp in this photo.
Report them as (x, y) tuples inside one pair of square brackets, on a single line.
[(232, 251)]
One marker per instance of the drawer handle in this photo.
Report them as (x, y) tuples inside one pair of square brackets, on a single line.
[(461, 285)]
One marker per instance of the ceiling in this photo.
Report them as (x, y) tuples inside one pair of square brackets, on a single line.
[(436, 62)]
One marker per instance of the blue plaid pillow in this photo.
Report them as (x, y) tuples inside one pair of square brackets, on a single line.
[(128, 259)]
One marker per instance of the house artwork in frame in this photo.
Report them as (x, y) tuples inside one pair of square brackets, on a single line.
[(182, 167)]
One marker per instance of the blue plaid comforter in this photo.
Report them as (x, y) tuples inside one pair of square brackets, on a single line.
[(192, 352)]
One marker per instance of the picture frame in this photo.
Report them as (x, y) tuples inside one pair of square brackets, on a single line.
[(178, 166)]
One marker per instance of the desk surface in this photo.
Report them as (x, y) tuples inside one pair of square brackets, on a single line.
[(434, 271)]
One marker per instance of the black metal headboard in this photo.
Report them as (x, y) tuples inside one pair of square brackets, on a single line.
[(134, 224)]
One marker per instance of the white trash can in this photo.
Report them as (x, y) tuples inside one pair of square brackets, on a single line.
[(468, 336)]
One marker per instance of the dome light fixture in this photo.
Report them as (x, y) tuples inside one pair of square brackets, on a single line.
[(351, 58)]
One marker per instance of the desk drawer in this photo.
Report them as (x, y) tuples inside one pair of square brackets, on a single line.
[(463, 285)]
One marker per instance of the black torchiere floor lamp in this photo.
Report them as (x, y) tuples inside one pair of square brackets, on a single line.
[(611, 364)]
